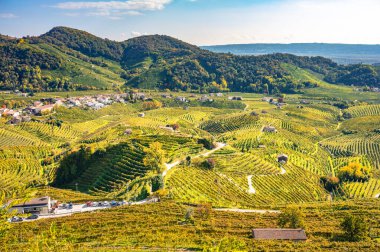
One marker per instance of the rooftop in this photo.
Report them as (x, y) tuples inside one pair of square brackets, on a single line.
[(279, 234), (35, 202)]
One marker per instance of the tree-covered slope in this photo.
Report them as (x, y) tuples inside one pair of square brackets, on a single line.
[(66, 58)]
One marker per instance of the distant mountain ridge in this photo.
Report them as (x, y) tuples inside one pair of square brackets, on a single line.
[(340, 53), (70, 59)]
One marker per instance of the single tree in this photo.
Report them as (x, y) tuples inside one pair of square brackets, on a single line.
[(155, 157), (292, 218), (355, 228)]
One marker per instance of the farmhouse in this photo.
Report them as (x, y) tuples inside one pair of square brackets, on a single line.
[(181, 99), (279, 234), (270, 129), (267, 99), (43, 109), (36, 206), (282, 158), (128, 132), (205, 98)]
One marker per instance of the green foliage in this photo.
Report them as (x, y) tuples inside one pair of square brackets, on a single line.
[(330, 183), (157, 183), (355, 228), (73, 165), (354, 172), (208, 164), (291, 218), (155, 157), (73, 59), (84, 42)]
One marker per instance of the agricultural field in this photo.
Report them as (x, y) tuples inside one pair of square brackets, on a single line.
[(162, 227), (224, 154)]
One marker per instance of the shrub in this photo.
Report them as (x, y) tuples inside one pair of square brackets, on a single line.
[(355, 228), (208, 164), (206, 142), (292, 218), (204, 210), (330, 183), (149, 105), (354, 172), (157, 183)]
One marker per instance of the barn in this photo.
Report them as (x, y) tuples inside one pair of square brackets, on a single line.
[(279, 234)]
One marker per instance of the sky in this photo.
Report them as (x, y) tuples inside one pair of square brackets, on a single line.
[(201, 22)]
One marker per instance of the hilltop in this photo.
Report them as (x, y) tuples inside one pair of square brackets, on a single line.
[(70, 59)]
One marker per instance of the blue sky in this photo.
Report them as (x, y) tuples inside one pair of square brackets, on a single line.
[(201, 22)]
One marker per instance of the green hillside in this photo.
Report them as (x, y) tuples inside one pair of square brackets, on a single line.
[(70, 59)]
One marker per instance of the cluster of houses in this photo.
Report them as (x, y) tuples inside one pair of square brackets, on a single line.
[(47, 105), (14, 116), (279, 102), (368, 89)]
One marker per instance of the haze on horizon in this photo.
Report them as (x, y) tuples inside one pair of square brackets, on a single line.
[(201, 22)]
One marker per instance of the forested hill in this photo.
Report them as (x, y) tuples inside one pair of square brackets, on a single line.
[(66, 58), (340, 53)]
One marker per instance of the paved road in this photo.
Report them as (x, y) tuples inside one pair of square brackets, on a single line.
[(82, 208)]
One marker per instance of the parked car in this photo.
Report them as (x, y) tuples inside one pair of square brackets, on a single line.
[(115, 203), (32, 217), (62, 206), (15, 219), (106, 204)]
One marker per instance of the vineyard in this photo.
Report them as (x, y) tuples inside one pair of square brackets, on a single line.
[(245, 173), (162, 227)]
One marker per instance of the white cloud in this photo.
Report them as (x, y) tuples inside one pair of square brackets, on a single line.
[(113, 9), (7, 15), (115, 5), (138, 34)]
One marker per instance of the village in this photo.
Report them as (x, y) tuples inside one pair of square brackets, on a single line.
[(46, 106)]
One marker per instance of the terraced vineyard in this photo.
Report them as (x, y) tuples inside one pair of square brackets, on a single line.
[(368, 189), (365, 110), (246, 173), (355, 145)]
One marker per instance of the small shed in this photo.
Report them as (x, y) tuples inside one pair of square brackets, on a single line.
[(270, 129), (282, 158), (128, 132), (279, 234), (141, 115)]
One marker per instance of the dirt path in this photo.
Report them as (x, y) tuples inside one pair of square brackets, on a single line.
[(175, 163), (252, 190), (236, 210)]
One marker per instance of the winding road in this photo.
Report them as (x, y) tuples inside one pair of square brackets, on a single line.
[(175, 163)]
